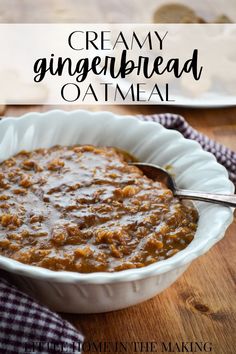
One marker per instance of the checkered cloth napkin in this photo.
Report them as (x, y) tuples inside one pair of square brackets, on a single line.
[(26, 326), (224, 155)]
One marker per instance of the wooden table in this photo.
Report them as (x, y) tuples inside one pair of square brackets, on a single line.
[(200, 306)]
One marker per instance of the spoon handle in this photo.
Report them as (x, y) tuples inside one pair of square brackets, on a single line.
[(225, 199)]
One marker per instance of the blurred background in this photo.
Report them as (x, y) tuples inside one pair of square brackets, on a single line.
[(218, 123), (209, 121), (123, 11)]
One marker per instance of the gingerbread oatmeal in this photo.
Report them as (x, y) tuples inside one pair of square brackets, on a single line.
[(85, 209)]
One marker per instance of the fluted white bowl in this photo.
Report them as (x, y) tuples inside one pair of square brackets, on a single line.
[(148, 141)]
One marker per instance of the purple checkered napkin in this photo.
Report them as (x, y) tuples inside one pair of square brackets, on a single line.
[(224, 156), (27, 327)]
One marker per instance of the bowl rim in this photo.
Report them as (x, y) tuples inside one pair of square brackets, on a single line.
[(181, 259)]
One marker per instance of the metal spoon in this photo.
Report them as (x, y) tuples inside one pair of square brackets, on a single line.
[(159, 174)]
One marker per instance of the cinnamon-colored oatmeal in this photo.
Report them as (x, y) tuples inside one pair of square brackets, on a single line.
[(85, 209)]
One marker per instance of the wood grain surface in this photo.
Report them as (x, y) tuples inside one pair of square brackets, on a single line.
[(201, 305)]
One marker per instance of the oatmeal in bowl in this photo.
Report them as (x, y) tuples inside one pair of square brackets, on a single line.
[(82, 230), (85, 209)]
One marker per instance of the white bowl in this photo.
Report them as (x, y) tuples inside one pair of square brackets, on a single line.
[(148, 141)]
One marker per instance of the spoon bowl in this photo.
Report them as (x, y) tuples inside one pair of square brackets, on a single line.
[(159, 174)]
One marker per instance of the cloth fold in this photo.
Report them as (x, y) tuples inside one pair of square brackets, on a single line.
[(28, 327)]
